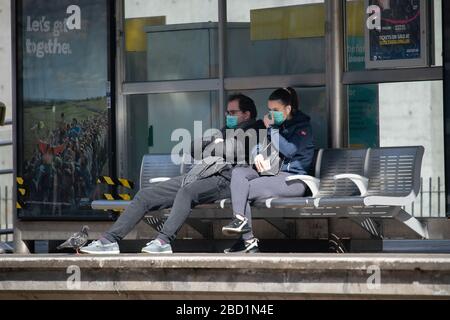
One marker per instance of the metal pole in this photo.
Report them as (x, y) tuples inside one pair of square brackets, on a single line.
[(431, 195), (222, 55), (19, 246), (121, 100), (6, 211), (1, 213), (336, 93), (439, 197)]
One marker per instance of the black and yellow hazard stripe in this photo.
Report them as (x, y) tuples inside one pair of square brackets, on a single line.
[(116, 182), (119, 197), (126, 183), (108, 197), (20, 204), (21, 193), (125, 197)]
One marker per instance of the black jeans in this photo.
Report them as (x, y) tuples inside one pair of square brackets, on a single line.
[(166, 195)]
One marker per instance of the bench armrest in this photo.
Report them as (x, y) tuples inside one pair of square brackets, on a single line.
[(312, 182), (361, 182), (110, 205), (157, 180)]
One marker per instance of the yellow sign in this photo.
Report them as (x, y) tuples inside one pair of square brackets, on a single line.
[(135, 36), (356, 18), (302, 21)]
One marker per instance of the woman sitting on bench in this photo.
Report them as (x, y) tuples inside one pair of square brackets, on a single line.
[(290, 134)]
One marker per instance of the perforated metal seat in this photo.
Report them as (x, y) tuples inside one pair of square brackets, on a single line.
[(393, 179), (330, 163), (161, 166), (394, 175), (340, 202)]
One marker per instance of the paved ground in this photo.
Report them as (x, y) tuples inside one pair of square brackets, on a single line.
[(187, 276)]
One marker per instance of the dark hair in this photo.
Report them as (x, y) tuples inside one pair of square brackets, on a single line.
[(287, 96), (246, 104)]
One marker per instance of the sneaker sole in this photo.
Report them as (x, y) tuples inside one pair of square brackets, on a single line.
[(243, 252), (148, 252), (232, 232), (101, 253)]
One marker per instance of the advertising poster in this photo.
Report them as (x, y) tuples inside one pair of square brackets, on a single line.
[(64, 99), (396, 33)]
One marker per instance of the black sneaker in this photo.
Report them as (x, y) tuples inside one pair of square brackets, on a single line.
[(242, 246), (238, 226)]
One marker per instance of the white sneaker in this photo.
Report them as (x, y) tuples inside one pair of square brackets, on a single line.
[(97, 247)]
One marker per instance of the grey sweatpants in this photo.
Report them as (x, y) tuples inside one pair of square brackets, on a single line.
[(247, 186), (166, 195)]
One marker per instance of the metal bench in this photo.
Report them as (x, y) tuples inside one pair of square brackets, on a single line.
[(363, 185), (154, 168), (390, 182)]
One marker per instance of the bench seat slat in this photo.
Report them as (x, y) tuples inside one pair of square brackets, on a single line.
[(341, 201)]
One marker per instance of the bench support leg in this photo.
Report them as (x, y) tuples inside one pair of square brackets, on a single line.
[(410, 221), (156, 224), (371, 226), (287, 228), (205, 228)]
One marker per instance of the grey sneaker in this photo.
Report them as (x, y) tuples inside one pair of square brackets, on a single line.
[(97, 247), (156, 247)]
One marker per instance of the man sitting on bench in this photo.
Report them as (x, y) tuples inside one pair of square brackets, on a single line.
[(180, 193)]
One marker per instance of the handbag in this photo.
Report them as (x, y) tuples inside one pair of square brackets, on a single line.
[(273, 161), (207, 168)]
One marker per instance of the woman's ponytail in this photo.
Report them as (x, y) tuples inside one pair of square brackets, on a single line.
[(288, 97)]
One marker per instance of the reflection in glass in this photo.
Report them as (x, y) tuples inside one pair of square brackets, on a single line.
[(171, 40), (275, 37), (153, 118)]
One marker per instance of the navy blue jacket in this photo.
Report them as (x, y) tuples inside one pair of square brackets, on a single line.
[(296, 144)]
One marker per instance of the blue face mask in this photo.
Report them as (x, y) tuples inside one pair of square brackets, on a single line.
[(278, 117), (232, 122)]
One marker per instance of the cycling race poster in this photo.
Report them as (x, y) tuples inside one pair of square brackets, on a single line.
[(64, 100)]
